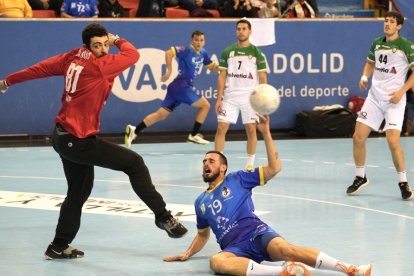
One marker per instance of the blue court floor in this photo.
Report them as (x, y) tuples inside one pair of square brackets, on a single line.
[(306, 203)]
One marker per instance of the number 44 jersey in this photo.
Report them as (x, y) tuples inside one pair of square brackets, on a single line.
[(392, 60)]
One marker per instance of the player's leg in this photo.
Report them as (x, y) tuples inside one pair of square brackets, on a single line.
[(228, 263), (203, 107), (79, 178), (161, 114), (228, 115), (394, 118), (249, 119), (80, 182), (112, 156), (220, 138), (251, 145), (369, 118), (131, 132), (234, 263), (167, 106), (95, 151), (280, 250)]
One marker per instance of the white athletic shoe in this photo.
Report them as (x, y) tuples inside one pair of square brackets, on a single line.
[(197, 139), (294, 269), (129, 135)]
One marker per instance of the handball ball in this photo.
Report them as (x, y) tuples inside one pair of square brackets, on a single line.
[(265, 99)]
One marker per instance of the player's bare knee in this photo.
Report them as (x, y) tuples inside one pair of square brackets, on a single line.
[(206, 105), (289, 252), (216, 264), (393, 143), (358, 139), (221, 130)]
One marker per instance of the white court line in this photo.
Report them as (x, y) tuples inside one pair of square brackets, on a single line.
[(255, 193), (239, 157), (338, 204)]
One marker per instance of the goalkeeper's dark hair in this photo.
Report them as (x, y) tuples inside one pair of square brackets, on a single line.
[(223, 158), (92, 30)]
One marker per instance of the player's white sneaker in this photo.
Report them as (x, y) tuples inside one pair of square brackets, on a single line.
[(294, 269), (129, 135), (362, 270), (197, 139)]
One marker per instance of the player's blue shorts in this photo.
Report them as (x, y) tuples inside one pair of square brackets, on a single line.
[(179, 91), (254, 246)]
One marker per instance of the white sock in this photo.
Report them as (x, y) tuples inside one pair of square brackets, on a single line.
[(250, 159), (360, 171), (402, 176), (326, 262), (255, 269)]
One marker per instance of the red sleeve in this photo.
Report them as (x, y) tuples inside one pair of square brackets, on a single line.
[(53, 66), (112, 65)]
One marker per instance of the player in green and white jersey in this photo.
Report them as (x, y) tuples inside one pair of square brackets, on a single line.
[(242, 66), (388, 62)]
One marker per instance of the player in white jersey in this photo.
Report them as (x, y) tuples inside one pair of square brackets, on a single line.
[(226, 208), (242, 66), (388, 62)]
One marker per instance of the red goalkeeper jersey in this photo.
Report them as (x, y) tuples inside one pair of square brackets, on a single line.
[(87, 83)]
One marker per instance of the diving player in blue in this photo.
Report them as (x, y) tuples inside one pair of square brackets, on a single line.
[(226, 207), (190, 62)]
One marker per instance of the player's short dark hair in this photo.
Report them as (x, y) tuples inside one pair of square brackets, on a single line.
[(243, 20), (196, 33), (223, 158), (92, 30), (396, 15)]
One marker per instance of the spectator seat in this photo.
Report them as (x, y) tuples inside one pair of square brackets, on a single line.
[(176, 12), (130, 4), (215, 13), (44, 13)]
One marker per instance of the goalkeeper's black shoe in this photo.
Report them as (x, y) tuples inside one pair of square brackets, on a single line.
[(68, 252), (171, 225)]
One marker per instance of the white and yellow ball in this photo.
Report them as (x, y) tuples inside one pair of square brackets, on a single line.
[(265, 99)]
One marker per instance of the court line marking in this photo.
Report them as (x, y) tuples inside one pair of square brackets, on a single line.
[(255, 193), (96, 205), (338, 204), (324, 162)]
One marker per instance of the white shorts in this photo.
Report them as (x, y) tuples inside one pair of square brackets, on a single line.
[(231, 108), (373, 112)]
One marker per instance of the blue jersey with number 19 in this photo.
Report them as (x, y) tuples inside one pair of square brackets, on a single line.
[(190, 62), (228, 208)]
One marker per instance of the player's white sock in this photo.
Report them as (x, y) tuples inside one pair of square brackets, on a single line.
[(402, 176), (254, 269), (250, 160), (360, 171), (324, 261)]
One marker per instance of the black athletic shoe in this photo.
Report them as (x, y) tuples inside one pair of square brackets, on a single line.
[(171, 224), (55, 252), (406, 192), (359, 183)]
